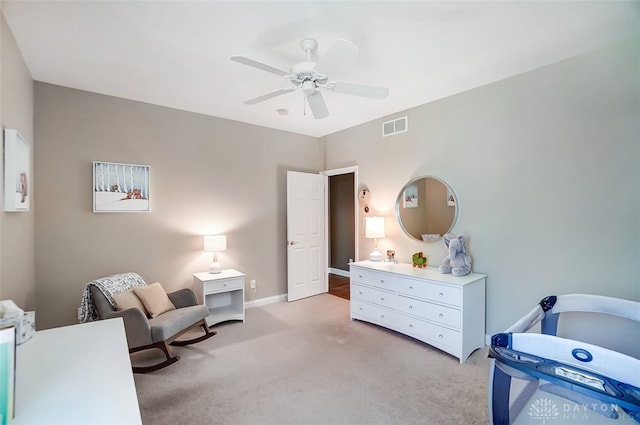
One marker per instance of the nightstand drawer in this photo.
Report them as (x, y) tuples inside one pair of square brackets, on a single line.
[(223, 285)]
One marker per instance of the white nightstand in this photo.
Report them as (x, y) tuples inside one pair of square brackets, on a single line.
[(222, 293)]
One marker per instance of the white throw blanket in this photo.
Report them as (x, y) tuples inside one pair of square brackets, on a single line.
[(109, 286)]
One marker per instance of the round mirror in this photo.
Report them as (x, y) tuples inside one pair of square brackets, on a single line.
[(426, 209)]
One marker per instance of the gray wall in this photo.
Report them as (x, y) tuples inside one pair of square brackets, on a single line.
[(546, 166), (17, 271), (208, 176)]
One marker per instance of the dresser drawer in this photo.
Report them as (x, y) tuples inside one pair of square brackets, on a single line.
[(223, 285), (373, 295), (430, 291), (425, 310), (373, 313), (373, 278), (429, 332)]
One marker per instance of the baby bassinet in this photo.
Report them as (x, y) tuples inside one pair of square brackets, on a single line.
[(541, 378)]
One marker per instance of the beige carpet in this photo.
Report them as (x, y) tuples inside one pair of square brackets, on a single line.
[(306, 362)]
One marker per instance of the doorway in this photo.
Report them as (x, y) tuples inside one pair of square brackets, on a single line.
[(342, 228)]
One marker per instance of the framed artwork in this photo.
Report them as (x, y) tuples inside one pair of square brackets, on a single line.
[(120, 187), (451, 199), (410, 196), (17, 172)]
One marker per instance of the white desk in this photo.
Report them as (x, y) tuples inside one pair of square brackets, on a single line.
[(78, 374)]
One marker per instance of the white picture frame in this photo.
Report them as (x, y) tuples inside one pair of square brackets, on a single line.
[(120, 188), (17, 172), (410, 196), (451, 198)]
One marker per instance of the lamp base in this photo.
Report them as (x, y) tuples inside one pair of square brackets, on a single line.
[(376, 255), (215, 267)]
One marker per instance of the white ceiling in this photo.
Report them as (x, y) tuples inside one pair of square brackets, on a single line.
[(177, 53)]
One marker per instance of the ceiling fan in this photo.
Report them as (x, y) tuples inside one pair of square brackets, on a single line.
[(304, 76)]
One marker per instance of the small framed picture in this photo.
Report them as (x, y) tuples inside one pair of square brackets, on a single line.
[(410, 196), (451, 199), (17, 172), (120, 187)]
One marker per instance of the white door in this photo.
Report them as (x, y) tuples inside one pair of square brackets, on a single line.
[(306, 263)]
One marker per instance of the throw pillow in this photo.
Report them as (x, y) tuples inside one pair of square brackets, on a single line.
[(155, 299), (127, 300)]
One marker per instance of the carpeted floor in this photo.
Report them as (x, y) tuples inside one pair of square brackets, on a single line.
[(306, 362)]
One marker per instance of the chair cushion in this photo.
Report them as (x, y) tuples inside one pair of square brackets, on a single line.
[(172, 322), (154, 298), (127, 300)]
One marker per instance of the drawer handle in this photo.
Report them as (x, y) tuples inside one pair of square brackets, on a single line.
[(410, 325), (440, 336), (382, 316), (360, 276), (225, 285), (360, 292), (381, 298), (441, 315), (411, 288), (381, 280), (441, 294), (410, 307), (361, 309)]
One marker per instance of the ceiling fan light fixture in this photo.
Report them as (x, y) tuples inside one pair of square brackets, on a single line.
[(308, 86)]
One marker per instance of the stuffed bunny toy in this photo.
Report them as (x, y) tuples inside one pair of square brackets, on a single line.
[(458, 262)]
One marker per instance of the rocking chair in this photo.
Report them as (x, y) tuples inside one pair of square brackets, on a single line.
[(144, 332)]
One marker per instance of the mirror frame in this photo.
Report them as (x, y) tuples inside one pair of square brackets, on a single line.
[(400, 198)]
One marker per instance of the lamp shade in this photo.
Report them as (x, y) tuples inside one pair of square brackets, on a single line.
[(215, 243), (374, 227)]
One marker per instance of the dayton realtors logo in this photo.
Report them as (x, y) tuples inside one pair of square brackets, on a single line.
[(543, 409)]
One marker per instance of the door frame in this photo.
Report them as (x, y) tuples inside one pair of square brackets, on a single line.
[(336, 172)]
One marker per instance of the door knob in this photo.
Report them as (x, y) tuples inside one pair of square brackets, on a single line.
[(294, 242)]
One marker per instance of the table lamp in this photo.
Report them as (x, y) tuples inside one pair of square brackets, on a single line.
[(215, 243), (374, 229)]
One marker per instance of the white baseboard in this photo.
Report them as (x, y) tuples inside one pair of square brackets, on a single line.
[(265, 301), (339, 272)]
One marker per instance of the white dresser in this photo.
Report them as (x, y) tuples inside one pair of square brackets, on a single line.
[(444, 311)]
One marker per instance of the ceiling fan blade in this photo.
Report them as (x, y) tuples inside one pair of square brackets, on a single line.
[(359, 90), (260, 65), (317, 105), (268, 96)]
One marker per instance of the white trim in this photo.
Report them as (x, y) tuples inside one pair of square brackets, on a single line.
[(339, 272), (339, 171), (265, 301)]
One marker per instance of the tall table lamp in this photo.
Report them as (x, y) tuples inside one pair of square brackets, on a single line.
[(374, 229), (215, 243)]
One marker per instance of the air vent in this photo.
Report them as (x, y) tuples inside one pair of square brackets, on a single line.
[(399, 125)]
